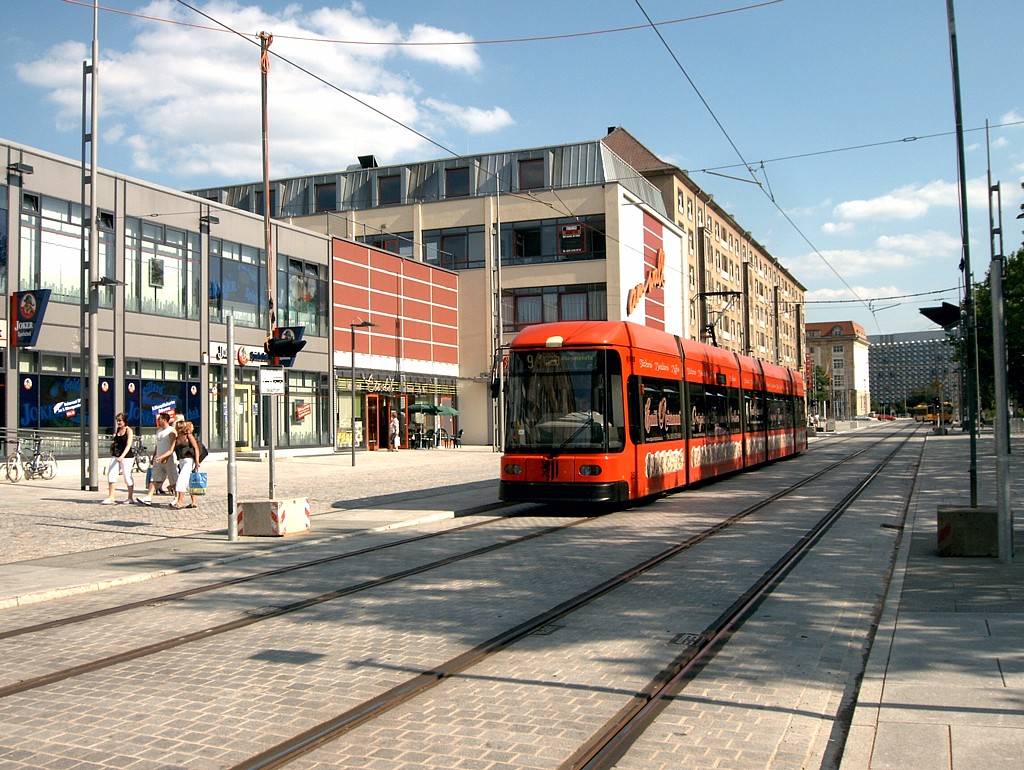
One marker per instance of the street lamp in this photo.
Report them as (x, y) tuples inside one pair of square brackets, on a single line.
[(352, 328)]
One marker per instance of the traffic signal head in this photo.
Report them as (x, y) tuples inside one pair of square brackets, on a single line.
[(283, 347)]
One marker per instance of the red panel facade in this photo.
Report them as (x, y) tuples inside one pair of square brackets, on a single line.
[(414, 306)]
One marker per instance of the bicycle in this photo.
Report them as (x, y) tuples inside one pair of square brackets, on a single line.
[(143, 458), (42, 464)]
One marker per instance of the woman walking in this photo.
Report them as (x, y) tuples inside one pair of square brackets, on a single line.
[(186, 451), (120, 454)]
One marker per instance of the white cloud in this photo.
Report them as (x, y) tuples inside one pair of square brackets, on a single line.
[(458, 54), (837, 228), (472, 119), (186, 101)]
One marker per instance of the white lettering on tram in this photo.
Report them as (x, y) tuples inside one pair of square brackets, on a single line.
[(666, 462), (713, 454)]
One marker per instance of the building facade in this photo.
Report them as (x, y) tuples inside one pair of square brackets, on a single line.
[(172, 269), (568, 232), (912, 366), (841, 349)]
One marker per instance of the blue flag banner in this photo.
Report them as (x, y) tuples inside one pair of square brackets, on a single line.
[(27, 311)]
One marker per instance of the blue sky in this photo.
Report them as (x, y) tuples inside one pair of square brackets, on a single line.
[(825, 127)]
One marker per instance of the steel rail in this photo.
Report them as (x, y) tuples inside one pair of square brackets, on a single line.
[(306, 741)]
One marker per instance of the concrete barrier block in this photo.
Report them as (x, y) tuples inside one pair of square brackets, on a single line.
[(273, 518), (966, 531)]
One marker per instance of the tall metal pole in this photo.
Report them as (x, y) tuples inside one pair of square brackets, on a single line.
[(352, 383), (971, 328), (265, 40), (92, 412), (1004, 516), (232, 474)]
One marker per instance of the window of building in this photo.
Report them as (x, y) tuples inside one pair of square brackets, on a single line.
[(455, 248), (302, 295), (580, 302), (531, 174), (237, 283), (456, 182), (161, 267), (553, 240), (326, 196), (837, 349), (389, 189), (51, 249), (396, 243), (273, 202)]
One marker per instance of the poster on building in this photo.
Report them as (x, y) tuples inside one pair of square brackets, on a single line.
[(27, 311)]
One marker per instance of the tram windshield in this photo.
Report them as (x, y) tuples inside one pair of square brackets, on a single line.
[(564, 401)]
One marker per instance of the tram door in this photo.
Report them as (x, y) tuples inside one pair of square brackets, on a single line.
[(245, 419), (373, 418)]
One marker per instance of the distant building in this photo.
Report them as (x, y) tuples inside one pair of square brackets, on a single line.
[(906, 366), (841, 348)]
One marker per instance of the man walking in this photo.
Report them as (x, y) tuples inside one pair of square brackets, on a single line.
[(164, 465)]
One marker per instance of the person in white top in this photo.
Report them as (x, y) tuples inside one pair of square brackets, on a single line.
[(165, 467)]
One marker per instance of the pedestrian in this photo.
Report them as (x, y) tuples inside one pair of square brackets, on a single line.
[(120, 453), (393, 429), (164, 466), (186, 450)]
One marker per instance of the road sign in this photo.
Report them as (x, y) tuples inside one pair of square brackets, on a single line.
[(271, 381)]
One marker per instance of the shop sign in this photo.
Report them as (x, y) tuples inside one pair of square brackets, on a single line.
[(27, 311), (302, 411), (245, 355), (655, 279)]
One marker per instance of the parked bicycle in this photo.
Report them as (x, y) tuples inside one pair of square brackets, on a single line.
[(143, 457), (42, 464)]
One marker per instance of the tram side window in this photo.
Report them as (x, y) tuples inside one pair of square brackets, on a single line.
[(755, 411), (699, 424), (733, 423), (776, 412), (655, 410), (717, 411)]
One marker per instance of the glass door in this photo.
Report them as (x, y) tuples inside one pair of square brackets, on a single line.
[(245, 419), (373, 416)]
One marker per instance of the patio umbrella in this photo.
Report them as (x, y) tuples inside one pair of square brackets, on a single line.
[(446, 410), (423, 408)]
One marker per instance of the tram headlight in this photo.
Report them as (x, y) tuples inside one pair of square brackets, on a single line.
[(590, 470), (511, 469)]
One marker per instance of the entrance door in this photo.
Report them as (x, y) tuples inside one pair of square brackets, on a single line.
[(245, 420), (373, 421)]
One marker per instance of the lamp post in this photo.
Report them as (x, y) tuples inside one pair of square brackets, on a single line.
[(352, 328)]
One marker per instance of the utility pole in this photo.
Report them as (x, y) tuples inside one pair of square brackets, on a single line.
[(969, 320)]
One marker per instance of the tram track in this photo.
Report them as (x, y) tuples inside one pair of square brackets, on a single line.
[(609, 743), (434, 674), (152, 601), (616, 735)]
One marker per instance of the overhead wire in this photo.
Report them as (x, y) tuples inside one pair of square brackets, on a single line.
[(436, 43), (743, 160)]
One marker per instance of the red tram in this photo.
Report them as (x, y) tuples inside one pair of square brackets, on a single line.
[(609, 411)]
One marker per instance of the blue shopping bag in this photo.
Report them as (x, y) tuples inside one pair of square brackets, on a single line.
[(197, 483)]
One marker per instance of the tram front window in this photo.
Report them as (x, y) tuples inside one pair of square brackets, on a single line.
[(564, 401)]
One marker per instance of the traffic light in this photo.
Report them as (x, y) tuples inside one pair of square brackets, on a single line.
[(282, 347)]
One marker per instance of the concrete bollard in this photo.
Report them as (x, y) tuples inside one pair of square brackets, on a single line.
[(966, 531), (273, 518)]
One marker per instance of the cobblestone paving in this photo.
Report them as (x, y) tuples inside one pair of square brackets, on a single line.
[(48, 518)]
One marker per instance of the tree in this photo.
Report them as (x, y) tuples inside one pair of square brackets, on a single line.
[(1013, 301)]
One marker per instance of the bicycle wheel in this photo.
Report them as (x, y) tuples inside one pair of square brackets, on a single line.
[(142, 462), (47, 465), (12, 467)]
